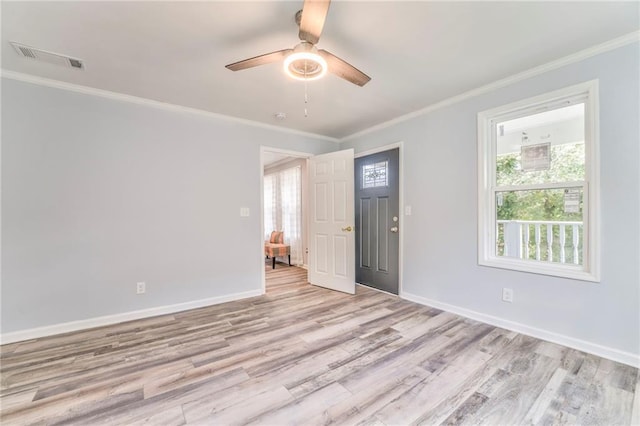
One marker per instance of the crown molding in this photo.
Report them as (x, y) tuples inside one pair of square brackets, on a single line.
[(558, 63), (57, 84), (549, 66)]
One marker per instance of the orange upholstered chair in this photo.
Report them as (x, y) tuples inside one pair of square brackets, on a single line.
[(276, 247)]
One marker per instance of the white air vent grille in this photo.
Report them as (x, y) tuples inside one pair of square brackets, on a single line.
[(49, 57)]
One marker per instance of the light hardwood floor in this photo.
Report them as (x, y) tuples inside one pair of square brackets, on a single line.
[(305, 355)]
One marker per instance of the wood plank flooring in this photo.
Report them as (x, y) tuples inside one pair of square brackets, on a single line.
[(306, 355)]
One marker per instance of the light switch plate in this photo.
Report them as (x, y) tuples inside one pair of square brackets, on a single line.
[(244, 211), (507, 295), (407, 210)]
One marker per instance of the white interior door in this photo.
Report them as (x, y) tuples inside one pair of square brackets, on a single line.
[(331, 224)]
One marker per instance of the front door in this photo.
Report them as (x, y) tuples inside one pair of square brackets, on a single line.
[(331, 224), (377, 217)]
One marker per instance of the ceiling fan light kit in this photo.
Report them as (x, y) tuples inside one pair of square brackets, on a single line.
[(305, 62)]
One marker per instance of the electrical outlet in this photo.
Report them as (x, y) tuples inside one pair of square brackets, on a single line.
[(507, 295), (141, 288)]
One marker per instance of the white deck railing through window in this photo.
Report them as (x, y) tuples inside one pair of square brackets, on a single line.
[(540, 240)]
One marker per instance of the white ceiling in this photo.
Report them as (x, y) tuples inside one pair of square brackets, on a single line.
[(417, 53), (270, 158)]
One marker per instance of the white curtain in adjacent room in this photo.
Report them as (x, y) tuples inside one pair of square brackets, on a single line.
[(270, 203), (290, 193), (283, 208)]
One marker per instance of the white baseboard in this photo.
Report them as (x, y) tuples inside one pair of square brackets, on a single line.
[(66, 327), (581, 345)]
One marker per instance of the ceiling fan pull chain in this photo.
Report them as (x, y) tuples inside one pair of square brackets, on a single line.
[(306, 96)]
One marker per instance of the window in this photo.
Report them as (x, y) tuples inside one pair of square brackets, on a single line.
[(538, 189), (374, 175)]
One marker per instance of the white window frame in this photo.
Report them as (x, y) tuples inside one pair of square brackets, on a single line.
[(487, 256)]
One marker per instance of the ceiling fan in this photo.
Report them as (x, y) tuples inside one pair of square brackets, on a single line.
[(305, 61)]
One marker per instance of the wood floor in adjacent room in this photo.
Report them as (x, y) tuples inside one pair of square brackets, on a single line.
[(305, 355)]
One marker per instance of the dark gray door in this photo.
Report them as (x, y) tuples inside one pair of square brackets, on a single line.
[(377, 220)]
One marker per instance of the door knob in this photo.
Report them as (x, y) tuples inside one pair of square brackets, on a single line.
[(347, 229), (394, 229)]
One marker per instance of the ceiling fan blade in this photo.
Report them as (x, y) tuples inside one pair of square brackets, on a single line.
[(314, 12), (343, 69), (267, 58)]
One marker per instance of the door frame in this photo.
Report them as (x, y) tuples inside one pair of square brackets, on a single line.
[(297, 154), (401, 210)]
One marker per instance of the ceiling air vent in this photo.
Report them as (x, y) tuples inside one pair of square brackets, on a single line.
[(44, 56)]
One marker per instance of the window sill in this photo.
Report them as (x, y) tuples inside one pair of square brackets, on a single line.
[(542, 268)]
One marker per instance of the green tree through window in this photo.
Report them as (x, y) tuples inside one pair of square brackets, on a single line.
[(567, 165)]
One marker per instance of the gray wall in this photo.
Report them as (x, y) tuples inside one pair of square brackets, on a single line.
[(99, 194), (440, 238)]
